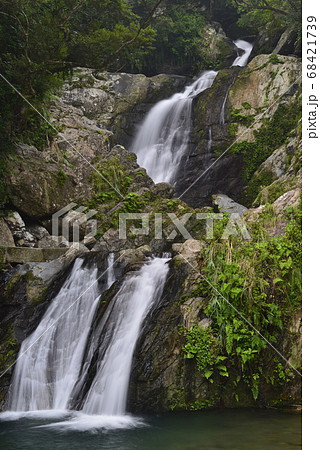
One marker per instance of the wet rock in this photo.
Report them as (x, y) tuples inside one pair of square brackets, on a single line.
[(164, 190), (190, 310), (37, 231), (227, 204), (53, 242)]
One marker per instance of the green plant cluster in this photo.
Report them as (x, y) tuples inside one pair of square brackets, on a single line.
[(238, 117), (112, 185), (272, 134), (252, 290), (179, 38)]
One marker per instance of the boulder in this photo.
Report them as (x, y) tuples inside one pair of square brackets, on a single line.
[(164, 190), (218, 49), (6, 238), (22, 237), (37, 231)]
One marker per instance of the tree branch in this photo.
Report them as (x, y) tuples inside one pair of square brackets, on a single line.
[(144, 23), (265, 7)]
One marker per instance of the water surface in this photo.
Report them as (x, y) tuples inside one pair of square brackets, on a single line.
[(219, 429)]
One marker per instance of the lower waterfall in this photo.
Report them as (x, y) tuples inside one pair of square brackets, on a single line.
[(50, 359), (108, 392)]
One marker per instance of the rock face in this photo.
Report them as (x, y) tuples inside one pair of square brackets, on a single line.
[(229, 113), (118, 101), (6, 238), (164, 378), (92, 112), (267, 82), (202, 171)]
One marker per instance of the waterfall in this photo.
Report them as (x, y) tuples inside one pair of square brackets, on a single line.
[(164, 135), (48, 368), (50, 358), (247, 48), (124, 317)]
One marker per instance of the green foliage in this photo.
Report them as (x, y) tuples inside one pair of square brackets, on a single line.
[(113, 183), (252, 286), (274, 16), (200, 344), (179, 41), (62, 177), (133, 203), (236, 116), (272, 134)]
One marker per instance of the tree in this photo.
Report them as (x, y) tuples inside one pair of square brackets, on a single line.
[(287, 12)]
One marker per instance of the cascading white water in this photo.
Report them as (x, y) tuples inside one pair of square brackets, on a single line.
[(247, 48), (125, 315), (50, 358), (47, 372), (164, 135)]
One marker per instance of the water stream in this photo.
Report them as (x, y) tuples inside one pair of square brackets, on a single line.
[(163, 137), (54, 359), (124, 317), (50, 359), (246, 48)]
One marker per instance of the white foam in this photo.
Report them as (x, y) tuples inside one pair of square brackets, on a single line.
[(95, 423), (40, 414)]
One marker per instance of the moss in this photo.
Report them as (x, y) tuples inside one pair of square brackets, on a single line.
[(62, 177), (9, 348), (272, 134), (256, 185), (238, 117), (232, 130), (271, 192), (246, 105)]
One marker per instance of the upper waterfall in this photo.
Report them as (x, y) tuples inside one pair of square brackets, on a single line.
[(247, 48), (164, 135)]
